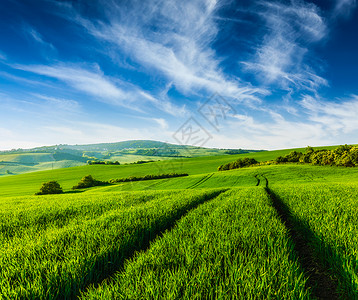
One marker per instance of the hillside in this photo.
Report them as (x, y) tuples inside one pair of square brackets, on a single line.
[(280, 231), (20, 161)]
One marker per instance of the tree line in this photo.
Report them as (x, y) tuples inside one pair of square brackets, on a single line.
[(345, 156)]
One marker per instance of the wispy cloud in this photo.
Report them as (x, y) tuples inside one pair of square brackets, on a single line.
[(162, 123), (90, 82), (59, 103), (336, 117), (173, 38), (2, 56), (95, 83), (162, 102), (274, 133), (290, 29), (344, 7), (32, 32)]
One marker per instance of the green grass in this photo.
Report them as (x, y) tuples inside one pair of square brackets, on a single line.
[(31, 182), (54, 246), (233, 247), (327, 214)]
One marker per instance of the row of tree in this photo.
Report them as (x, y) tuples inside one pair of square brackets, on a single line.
[(148, 177), (239, 163), (102, 162), (346, 155)]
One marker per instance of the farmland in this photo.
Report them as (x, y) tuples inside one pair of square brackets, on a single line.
[(280, 231)]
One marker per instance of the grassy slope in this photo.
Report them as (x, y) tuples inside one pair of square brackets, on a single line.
[(328, 217), (203, 175), (56, 245), (68, 177), (218, 251)]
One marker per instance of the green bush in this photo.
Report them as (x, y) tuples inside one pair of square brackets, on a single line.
[(51, 187), (148, 177), (240, 163), (345, 155), (88, 181)]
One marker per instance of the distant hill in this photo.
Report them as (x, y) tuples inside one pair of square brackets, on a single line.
[(19, 161)]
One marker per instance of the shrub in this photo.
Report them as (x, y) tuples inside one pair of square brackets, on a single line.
[(240, 163), (51, 187), (88, 181), (148, 177), (294, 156), (281, 159)]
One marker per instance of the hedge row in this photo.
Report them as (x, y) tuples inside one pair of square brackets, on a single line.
[(147, 177)]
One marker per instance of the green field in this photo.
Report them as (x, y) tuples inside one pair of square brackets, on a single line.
[(281, 231), (19, 161)]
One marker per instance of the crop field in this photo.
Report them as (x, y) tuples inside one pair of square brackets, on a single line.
[(231, 247), (280, 231), (52, 251), (327, 215)]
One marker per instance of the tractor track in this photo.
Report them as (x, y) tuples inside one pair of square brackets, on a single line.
[(201, 181), (150, 236), (320, 281)]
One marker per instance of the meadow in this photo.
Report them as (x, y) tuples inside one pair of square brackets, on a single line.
[(281, 231)]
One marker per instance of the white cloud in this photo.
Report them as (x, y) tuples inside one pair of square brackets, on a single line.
[(336, 117), (344, 7), (38, 37), (164, 104), (110, 90), (90, 82), (62, 104), (2, 56), (174, 39), (162, 123), (290, 28)]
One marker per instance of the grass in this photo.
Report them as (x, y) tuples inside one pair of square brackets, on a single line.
[(327, 214), (54, 246), (233, 247), (31, 182), (179, 237)]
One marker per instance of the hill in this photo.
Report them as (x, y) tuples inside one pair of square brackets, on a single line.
[(20, 161), (289, 227)]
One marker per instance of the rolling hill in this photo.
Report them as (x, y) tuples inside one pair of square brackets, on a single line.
[(279, 231), (20, 161)]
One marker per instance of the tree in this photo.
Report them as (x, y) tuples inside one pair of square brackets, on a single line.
[(88, 181), (51, 187)]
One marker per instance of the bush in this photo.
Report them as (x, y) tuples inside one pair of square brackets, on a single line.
[(51, 187), (240, 163), (148, 177), (88, 181)]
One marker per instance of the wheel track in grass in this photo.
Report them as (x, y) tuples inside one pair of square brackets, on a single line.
[(201, 181), (320, 280), (258, 179), (149, 238)]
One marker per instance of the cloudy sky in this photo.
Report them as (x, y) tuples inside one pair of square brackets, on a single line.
[(252, 74)]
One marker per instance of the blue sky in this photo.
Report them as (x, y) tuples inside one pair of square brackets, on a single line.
[(239, 74)]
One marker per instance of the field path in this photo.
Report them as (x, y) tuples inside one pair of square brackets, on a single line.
[(150, 235), (258, 179), (201, 181), (322, 283)]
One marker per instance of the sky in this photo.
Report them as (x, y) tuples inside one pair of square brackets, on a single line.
[(252, 74)]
